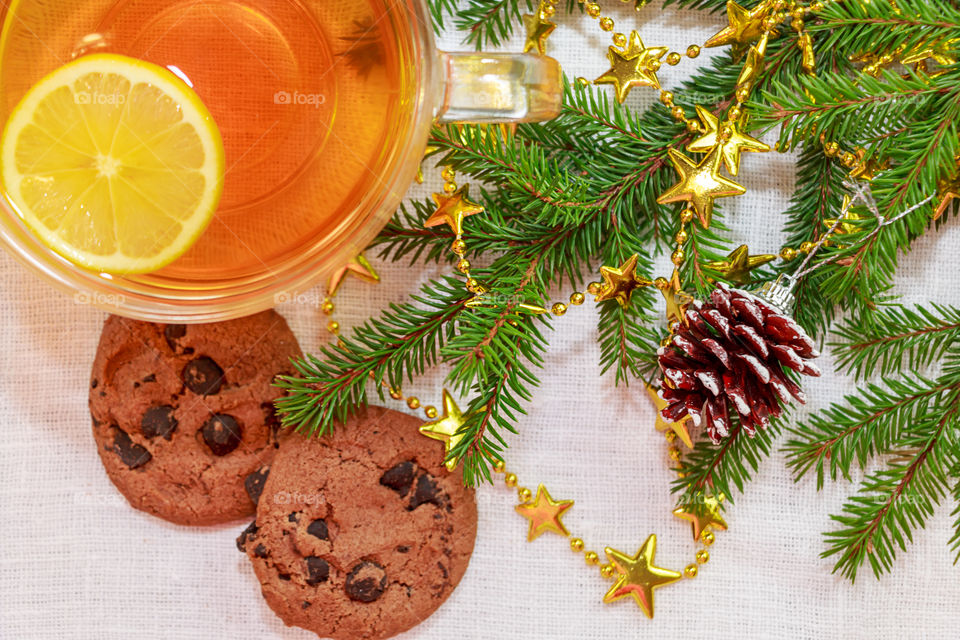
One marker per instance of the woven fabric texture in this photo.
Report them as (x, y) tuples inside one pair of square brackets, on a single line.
[(77, 562)]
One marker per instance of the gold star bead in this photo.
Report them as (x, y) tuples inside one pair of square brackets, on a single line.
[(677, 300), (679, 427), (947, 191), (358, 267), (753, 65), (452, 209), (538, 28), (702, 514), (922, 54), (446, 428), (739, 264), (637, 576), (700, 184), (618, 284), (744, 26), (544, 514), (733, 143), (849, 222), (865, 169), (634, 66), (808, 58)]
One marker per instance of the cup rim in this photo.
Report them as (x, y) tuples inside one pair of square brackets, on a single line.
[(148, 299)]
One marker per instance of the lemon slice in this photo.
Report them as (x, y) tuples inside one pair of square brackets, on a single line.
[(114, 163)]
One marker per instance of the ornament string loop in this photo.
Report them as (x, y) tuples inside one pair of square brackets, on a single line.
[(860, 194)]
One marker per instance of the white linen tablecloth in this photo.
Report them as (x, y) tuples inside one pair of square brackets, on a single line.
[(77, 562)]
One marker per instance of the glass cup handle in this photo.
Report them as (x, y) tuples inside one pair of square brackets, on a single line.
[(500, 87)]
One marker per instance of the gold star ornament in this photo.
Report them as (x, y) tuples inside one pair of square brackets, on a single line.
[(679, 427), (446, 428), (676, 298), (452, 209), (921, 54), (702, 513), (619, 284), (544, 514), (359, 267), (865, 169), (848, 222), (700, 183), (634, 66), (744, 26), (538, 29), (948, 191), (739, 263), (732, 142), (637, 577)]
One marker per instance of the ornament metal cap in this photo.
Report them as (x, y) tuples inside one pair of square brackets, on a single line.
[(778, 293)]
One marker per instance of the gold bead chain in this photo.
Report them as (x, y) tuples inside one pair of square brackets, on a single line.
[(592, 558)]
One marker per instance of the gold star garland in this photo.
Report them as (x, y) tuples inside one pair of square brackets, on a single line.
[(539, 27), (739, 263), (632, 64), (448, 429)]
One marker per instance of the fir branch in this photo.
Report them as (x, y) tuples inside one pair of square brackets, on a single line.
[(894, 501), (864, 425), (882, 27), (849, 108), (955, 540), (628, 339), (440, 9), (399, 345), (912, 421), (721, 467), (488, 23), (490, 355), (817, 196), (920, 336)]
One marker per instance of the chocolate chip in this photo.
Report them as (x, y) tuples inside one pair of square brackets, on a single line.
[(94, 383), (399, 477), (222, 434), (318, 529), (305, 604), (260, 551), (203, 376), (271, 419), (150, 378), (246, 536), (443, 570), (403, 549), (158, 421), (426, 492), (173, 332), (284, 576), (254, 482), (294, 517), (317, 570), (366, 582), (131, 454)]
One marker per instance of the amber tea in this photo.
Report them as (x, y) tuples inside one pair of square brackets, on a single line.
[(311, 98)]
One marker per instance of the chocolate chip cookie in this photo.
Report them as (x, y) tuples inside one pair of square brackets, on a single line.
[(183, 415), (362, 534)]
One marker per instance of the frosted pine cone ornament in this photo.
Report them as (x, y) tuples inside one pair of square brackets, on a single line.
[(732, 353)]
